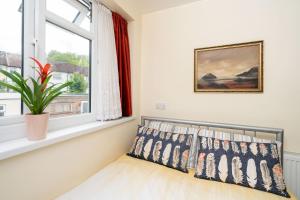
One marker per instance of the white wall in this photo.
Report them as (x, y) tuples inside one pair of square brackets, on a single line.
[(47, 173), (170, 36)]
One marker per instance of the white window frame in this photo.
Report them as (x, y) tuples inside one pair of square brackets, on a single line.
[(35, 18)]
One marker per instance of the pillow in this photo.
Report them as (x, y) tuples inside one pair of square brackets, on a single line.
[(237, 138), (181, 129), (165, 148), (191, 162), (254, 165)]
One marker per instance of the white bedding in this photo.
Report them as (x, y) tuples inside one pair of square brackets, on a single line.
[(133, 179)]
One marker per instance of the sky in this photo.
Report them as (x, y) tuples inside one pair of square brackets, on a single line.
[(65, 41), (10, 20), (225, 63), (56, 38)]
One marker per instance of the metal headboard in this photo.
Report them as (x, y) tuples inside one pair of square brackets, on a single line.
[(274, 131)]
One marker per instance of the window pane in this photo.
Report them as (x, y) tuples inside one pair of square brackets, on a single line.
[(10, 53), (75, 11), (69, 55)]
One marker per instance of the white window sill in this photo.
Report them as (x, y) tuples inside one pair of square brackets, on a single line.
[(19, 146)]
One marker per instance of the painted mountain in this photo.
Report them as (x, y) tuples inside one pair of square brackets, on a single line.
[(209, 76), (253, 72), (211, 81), (243, 80)]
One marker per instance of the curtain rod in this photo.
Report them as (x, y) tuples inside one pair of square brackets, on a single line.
[(106, 7), (127, 18), (103, 5)]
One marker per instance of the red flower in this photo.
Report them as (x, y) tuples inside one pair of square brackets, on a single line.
[(43, 71)]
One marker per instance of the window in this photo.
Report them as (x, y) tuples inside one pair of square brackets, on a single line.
[(77, 12), (56, 31), (11, 18), (69, 55)]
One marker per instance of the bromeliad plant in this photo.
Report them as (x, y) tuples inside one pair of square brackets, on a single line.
[(39, 96)]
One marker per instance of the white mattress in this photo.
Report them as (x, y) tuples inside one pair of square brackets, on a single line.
[(133, 179)]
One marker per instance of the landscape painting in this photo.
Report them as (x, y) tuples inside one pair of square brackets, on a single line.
[(229, 68)]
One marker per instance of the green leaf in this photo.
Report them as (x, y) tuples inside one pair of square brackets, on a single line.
[(38, 93), (37, 97), (18, 90), (20, 83), (62, 86), (24, 84), (49, 99), (53, 92), (14, 88)]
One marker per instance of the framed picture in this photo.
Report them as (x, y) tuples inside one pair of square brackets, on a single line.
[(229, 68)]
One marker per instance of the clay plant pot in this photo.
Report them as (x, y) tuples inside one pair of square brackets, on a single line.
[(36, 126)]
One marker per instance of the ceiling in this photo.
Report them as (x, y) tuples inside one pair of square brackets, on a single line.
[(146, 6)]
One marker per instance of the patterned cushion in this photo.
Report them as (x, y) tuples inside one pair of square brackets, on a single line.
[(181, 129), (191, 162), (254, 165), (165, 148), (237, 138)]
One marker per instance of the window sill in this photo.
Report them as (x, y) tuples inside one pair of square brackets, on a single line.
[(19, 146)]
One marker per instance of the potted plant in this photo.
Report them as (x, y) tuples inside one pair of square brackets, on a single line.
[(36, 97)]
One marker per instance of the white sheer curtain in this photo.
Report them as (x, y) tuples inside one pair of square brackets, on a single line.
[(107, 78)]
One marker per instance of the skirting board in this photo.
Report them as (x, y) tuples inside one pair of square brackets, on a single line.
[(292, 172)]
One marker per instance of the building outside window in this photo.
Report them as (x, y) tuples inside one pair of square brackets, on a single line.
[(2, 110)]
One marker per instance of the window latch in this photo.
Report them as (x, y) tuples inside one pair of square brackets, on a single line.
[(34, 42)]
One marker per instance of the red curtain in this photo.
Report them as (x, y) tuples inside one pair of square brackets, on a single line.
[(123, 54)]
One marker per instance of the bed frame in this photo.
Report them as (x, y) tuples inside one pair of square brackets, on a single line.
[(245, 129)]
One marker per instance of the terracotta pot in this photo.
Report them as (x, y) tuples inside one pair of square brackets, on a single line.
[(36, 126)]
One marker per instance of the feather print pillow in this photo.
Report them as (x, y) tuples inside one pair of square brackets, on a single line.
[(165, 148), (254, 165)]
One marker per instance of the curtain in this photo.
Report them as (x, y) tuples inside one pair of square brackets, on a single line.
[(122, 46), (106, 73)]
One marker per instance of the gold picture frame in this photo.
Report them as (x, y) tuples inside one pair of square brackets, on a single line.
[(229, 68)]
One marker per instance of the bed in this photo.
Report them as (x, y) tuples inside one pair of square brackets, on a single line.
[(132, 178)]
